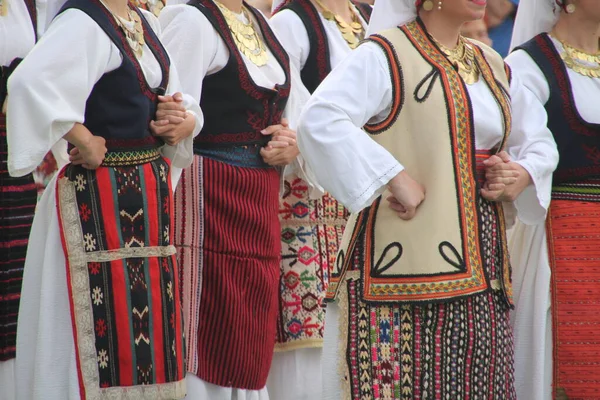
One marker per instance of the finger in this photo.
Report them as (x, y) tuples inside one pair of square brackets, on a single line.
[(178, 97), (496, 187), (162, 114), (271, 129), (76, 158), (397, 207), (285, 133), (158, 123), (285, 122), (490, 194), (276, 144), (504, 156), (502, 180), (163, 130), (502, 174), (171, 106), (74, 151), (493, 160), (165, 99), (408, 214)]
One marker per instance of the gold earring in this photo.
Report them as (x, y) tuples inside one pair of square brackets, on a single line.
[(440, 5), (428, 5), (570, 8)]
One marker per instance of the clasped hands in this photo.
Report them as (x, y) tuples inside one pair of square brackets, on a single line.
[(173, 124), (282, 149), (505, 180)]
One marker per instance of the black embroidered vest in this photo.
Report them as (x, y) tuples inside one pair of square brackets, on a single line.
[(122, 103), (578, 141), (318, 62), (235, 108)]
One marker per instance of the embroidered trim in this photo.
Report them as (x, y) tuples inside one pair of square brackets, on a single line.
[(124, 158), (81, 310), (498, 91), (131, 252), (397, 81)]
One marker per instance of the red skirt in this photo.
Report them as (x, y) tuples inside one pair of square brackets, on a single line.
[(229, 248), (574, 254)]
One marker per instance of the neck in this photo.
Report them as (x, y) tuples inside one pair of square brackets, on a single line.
[(338, 7), (441, 28), (578, 31), (233, 5), (119, 7)]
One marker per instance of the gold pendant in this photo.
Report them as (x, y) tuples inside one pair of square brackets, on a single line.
[(3, 8)]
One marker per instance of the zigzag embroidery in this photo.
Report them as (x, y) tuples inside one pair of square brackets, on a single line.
[(124, 213)]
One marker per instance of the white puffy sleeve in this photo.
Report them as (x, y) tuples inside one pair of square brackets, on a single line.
[(182, 154), (49, 89), (291, 32), (531, 143), (192, 44), (346, 161)]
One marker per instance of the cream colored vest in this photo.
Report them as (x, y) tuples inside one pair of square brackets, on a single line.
[(437, 255)]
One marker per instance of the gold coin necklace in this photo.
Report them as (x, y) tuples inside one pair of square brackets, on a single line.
[(352, 32), (579, 61), (245, 36), (132, 28), (3, 8), (463, 58)]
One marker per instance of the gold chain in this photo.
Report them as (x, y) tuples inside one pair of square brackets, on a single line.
[(463, 58), (3, 8), (134, 34), (245, 36), (579, 61), (352, 32)]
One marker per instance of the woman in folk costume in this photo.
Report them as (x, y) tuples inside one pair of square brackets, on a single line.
[(100, 314), (317, 36), (227, 203), (421, 303), (556, 264)]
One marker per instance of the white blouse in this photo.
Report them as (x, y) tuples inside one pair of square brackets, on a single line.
[(586, 90), (17, 36), (355, 169), (292, 34), (49, 90)]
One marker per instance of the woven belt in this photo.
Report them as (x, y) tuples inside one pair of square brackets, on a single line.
[(579, 191), (130, 157)]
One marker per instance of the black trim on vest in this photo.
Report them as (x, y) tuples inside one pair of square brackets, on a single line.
[(318, 62), (578, 141)]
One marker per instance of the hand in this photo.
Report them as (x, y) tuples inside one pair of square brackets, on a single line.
[(407, 195), (173, 129), (170, 106), (278, 157), (5, 105), (89, 154), (283, 137), (505, 180)]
